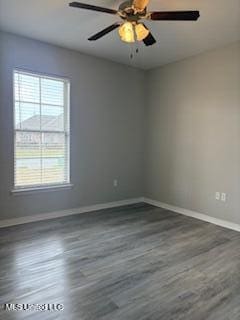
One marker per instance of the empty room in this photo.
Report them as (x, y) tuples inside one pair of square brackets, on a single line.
[(120, 160)]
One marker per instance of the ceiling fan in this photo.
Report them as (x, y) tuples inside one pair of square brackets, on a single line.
[(131, 12)]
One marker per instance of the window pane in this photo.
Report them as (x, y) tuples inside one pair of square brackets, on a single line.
[(27, 158), (52, 118), (54, 157), (27, 116), (28, 172), (53, 145), (53, 170), (27, 145), (52, 92), (26, 88)]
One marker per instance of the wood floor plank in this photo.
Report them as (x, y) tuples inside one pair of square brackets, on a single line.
[(136, 262)]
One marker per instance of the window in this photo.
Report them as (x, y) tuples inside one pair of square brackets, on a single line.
[(41, 131)]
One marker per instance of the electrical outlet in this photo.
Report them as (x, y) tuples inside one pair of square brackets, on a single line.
[(217, 196), (115, 183), (223, 197)]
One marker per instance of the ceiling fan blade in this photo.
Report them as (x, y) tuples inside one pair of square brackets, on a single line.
[(90, 7), (104, 31), (174, 15), (149, 40), (140, 4)]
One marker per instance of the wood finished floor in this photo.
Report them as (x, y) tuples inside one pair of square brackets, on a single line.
[(131, 263)]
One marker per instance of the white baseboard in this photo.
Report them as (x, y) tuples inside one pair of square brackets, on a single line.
[(194, 214), (64, 213)]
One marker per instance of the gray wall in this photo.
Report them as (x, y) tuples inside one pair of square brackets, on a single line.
[(193, 133), (106, 125), (177, 141)]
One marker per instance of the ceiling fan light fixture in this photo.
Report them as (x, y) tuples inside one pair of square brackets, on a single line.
[(126, 32), (141, 31)]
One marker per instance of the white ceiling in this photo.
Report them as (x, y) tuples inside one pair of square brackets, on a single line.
[(54, 22)]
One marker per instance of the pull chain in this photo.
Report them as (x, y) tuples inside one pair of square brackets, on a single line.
[(134, 52)]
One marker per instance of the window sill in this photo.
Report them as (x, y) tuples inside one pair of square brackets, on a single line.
[(33, 190)]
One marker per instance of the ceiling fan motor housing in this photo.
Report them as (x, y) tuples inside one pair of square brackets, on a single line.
[(127, 12)]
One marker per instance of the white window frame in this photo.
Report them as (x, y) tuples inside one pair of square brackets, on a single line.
[(67, 130)]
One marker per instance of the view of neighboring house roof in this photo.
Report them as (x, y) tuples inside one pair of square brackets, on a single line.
[(48, 123)]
